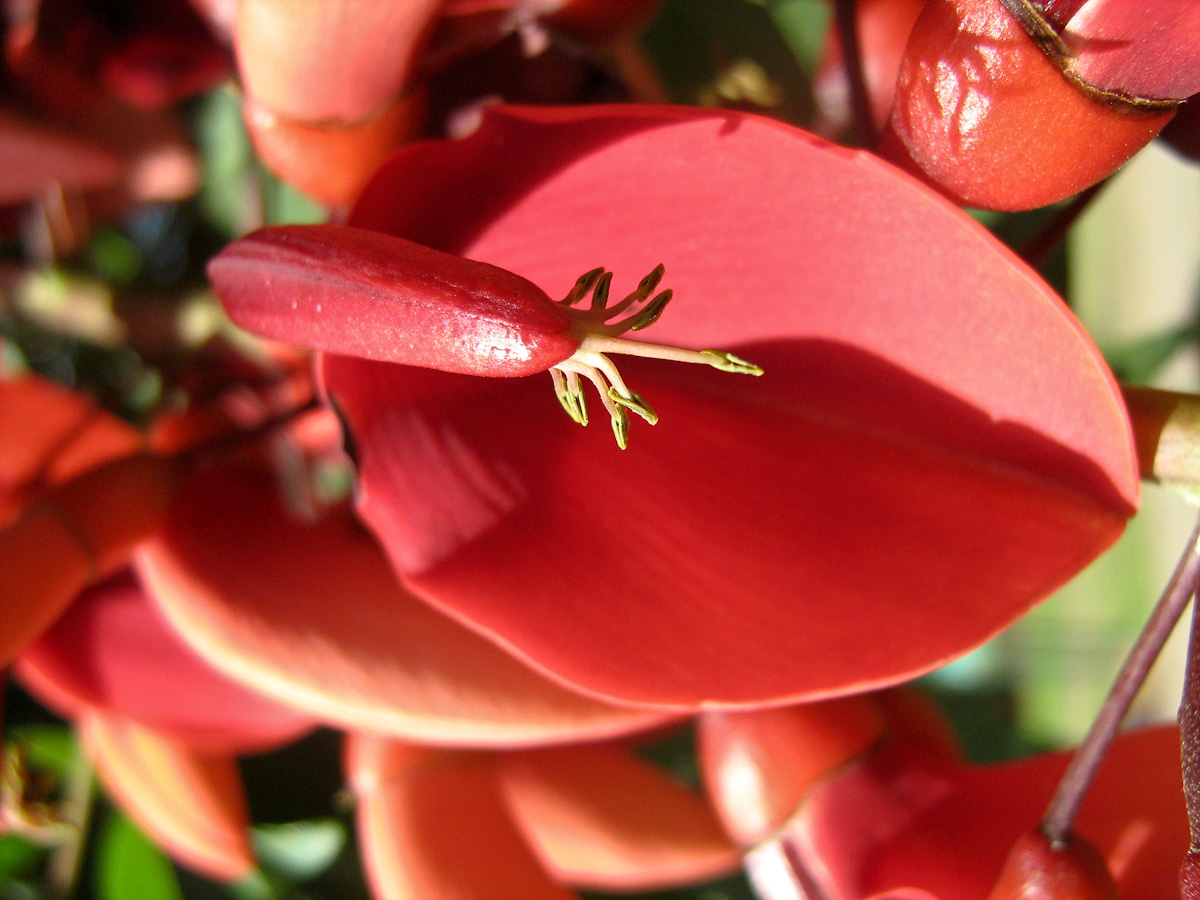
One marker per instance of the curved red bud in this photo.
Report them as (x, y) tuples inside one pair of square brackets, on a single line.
[(367, 294), (1038, 870), (985, 115), (262, 596), (113, 652)]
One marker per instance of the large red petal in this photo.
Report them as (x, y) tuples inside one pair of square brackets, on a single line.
[(935, 446), (113, 651), (310, 613), (600, 818)]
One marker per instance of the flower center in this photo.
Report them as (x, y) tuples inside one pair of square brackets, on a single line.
[(599, 335)]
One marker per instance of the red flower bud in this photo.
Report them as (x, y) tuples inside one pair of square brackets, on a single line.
[(1038, 870), (984, 113), (368, 294)]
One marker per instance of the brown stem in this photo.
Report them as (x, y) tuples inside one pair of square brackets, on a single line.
[(1189, 732), (1064, 807), (776, 871), (860, 100), (1038, 248)]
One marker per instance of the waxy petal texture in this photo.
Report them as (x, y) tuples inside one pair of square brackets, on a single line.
[(311, 614), (190, 802), (113, 651), (601, 818), (936, 444)]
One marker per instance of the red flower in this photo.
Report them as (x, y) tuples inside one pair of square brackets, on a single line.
[(935, 446), (160, 725)]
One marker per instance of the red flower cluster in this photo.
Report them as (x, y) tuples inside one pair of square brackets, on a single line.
[(508, 605)]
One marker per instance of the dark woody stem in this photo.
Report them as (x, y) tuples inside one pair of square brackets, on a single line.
[(1045, 241), (776, 871), (1064, 807), (860, 101), (1189, 733)]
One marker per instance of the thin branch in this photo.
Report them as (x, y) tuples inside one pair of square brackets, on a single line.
[(1045, 241), (1064, 807), (860, 100)]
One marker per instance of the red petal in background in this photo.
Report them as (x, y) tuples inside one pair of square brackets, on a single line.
[(311, 614), (333, 62), (898, 821), (602, 819), (113, 651), (434, 825), (936, 444), (1138, 48), (331, 164), (34, 158), (49, 434), (77, 533), (758, 765), (191, 803)]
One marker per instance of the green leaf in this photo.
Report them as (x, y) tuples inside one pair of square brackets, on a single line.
[(299, 851), (130, 867), (19, 858), (728, 53), (1138, 362), (46, 747)]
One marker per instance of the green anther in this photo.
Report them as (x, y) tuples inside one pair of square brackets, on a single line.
[(620, 427), (649, 313), (583, 284), (570, 403), (600, 292), (650, 282), (575, 394), (727, 362), (634, 404)]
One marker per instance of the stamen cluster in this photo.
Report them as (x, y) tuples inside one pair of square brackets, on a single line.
[(599, 334)]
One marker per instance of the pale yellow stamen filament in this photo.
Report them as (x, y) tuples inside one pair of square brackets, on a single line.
[(599, 336)]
